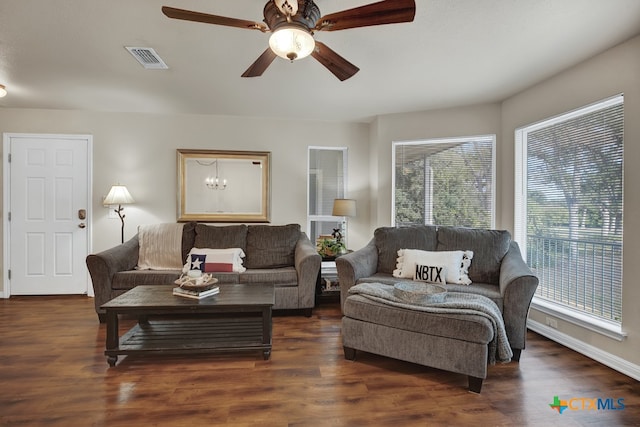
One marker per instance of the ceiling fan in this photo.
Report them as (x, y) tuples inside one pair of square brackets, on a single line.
[(293, 23)]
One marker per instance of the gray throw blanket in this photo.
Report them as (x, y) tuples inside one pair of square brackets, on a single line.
[(455, 303)]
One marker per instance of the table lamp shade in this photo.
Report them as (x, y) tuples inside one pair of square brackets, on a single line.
[(344, 207)]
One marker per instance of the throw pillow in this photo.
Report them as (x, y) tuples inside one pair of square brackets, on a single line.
[(456, 264), (430, 274), (160, 246), (215, 260), (188, 238)]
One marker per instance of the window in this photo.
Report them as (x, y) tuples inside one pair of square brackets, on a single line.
[(568, 218), (444, 182), (327, 181)]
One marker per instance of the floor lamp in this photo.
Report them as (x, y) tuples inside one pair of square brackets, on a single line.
[(344, 208), (119, 195)]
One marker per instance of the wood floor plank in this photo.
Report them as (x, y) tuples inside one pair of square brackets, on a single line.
[(53, 372)]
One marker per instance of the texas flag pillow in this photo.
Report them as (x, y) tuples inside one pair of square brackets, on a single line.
[(215, 260)]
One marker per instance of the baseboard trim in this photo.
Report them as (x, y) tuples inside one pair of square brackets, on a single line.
[(611, 360)]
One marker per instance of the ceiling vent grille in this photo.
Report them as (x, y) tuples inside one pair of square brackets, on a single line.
[(148, 58)]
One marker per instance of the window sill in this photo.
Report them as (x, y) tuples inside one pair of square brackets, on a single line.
[(603, 327)]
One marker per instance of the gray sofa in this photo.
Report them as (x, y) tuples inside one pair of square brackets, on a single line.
[(497, 271), (282, 255)]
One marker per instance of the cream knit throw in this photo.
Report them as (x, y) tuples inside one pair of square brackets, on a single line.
[(160, 247)]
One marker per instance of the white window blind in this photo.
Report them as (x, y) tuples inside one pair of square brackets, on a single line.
[(444, 182), (569, 177)]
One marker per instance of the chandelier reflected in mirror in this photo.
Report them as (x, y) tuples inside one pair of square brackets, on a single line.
[(213, 182)]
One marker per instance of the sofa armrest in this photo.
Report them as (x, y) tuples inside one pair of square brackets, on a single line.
[(104, 265), (354, 266), (517, 286), (307, 263)]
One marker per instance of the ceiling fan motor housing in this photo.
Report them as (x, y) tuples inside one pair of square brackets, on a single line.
[(306, 18)]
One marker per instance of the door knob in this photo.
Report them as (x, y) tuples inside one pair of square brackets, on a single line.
[(82, 225)]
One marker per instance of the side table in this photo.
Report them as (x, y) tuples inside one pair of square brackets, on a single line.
[(328, 275)]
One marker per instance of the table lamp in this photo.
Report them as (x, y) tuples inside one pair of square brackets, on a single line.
[(344, 208)]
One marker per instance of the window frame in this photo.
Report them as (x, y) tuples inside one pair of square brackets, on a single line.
[(446, 140), (325, 218), (602, 326)]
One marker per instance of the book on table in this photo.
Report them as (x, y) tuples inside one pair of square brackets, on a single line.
[(188, 293)]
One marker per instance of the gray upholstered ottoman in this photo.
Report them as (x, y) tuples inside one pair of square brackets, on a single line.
[(452, 342)]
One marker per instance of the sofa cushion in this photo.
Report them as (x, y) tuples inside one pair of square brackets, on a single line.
[(188, 238), (280, 277), (221, 237), (132, 278), (271, 246), (160, 246), (488, 246), (124, 280), (391, 239)]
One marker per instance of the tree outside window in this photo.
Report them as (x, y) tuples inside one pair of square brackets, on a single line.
[(445, 182)]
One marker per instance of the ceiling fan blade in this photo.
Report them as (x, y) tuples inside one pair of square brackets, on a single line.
[(382, 12), (340, 67), (189, 15), (257, 68)]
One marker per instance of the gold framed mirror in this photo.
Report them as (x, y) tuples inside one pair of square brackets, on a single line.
[(223, 186)]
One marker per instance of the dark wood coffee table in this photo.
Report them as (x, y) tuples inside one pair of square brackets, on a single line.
[(236, 319)]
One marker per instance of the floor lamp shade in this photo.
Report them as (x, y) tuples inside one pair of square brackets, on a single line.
[(118, 195)]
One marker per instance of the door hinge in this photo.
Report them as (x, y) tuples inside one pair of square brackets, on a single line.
[(9, 274), (9, 216), (9, 158)]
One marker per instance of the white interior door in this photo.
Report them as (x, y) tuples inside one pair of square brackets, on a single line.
[(49, 213)]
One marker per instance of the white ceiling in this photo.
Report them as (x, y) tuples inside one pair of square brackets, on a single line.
[(69, 54)]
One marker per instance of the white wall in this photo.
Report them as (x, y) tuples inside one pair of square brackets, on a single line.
[(612, 72), (139, 150)]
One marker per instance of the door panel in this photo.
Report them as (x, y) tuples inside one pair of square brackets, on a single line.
[(49, 185)]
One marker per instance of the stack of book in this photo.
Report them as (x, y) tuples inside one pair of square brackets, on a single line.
[(196, 294)]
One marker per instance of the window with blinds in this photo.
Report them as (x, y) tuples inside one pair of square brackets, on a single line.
[(327, 182), (444, 182), (569, 208)]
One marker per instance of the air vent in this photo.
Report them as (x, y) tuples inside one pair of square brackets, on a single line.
[(148, 58)]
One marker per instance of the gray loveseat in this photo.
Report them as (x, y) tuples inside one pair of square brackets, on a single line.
[(282, 255), (497, 271)]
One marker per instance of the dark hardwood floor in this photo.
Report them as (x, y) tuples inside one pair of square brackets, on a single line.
[(53, 372)]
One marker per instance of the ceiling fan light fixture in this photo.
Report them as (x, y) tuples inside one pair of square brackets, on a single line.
[(290, 42), (3, 91)]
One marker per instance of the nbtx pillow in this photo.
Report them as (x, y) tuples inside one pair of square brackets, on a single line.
[(455, 263)]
